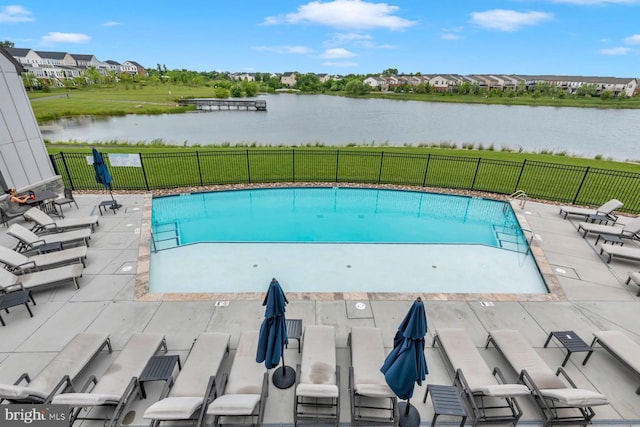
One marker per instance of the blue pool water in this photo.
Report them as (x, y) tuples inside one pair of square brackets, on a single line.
[(333, 215)]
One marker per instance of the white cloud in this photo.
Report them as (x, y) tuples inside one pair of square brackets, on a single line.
[(337, 53), (451, 36), (14, 14), (296, 50), (55, 37), (634, 39), (615, 51), (110, 24), (343, 64), (348, 38), (508, 20), (349, 14)]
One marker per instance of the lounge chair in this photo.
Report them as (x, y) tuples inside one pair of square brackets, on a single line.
[(559, 403), (66, 199), (621, 347), (118, 384), (195, 386), (367, 386), (317, 392), (634, 276), (17, 262), (622, 251), (604, 210), (488, 395), (53, 276), (245, 389), (28, 240), (60, 373), (43, 223), (630, 230)]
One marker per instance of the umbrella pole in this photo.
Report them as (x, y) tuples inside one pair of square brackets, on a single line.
[(115, 204), (409, 416), (284, 376)]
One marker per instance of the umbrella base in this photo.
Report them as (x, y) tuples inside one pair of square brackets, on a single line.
[(411, 419), (284, 377)]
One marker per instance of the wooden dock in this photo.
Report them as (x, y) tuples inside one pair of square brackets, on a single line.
[(216, 103)]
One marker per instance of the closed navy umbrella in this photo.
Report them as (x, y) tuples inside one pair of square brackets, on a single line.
[(406, 364), (273, 336), (102, 174)]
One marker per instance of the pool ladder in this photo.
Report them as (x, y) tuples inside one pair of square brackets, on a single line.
[(168, 232), (518, 195)]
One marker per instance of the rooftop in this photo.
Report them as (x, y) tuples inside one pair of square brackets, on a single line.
[(593, 296)]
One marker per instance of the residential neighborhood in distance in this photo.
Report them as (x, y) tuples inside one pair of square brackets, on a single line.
[(60, 66)]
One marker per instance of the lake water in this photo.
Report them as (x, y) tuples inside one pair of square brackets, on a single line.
[(339, 121)]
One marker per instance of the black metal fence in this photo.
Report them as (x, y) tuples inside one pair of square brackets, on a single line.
[(540, 180)]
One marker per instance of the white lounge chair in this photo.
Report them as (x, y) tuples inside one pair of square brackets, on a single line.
[(623, 348), (45, 224), (489, 396), (60, 373), (117, 386), (195, 386), (244, 391), (17, 262), (621, 251), (604, 210), (367, 385), (318, 377), (53, 276), (630, 230), (559, 403), (28, 240)]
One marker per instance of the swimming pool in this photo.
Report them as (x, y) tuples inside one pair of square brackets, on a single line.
[(333, 215), (446, 244)]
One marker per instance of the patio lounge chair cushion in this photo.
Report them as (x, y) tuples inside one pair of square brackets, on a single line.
[(624, 348), (113, 383), (605, 209), (575, 397), (367, 355), (58, 275), (187, 393), (621, 251), (464, 355), (45, 223), (630, 230), (71, 360), (318, 367), (30, 240), (244, 387), (18, 260)]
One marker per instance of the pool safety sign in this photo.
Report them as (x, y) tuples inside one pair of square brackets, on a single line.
[(125, 160)]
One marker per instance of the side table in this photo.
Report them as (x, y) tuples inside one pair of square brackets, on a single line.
[(15, 298), (49, 247), (107, 204), (158, 368), (294, 330), (571, 342), (599, 218), (609, 238), (446, 401)]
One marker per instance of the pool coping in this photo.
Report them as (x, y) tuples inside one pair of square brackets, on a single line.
[(141, 289)]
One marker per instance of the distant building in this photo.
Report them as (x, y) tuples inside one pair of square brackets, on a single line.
[(288, 79)]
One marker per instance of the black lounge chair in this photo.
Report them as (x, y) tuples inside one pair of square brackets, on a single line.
[(559, 403), (488, 395), (625, 350)]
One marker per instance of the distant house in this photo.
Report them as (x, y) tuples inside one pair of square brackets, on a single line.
[(323, 77), (24, 56), (377, 83), (133, 67), (55, 58), (288, 79), (112, 65), (243, 77), (87, 61)]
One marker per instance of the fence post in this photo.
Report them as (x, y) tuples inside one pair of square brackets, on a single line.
[(293, 165), (199, 169), (144, 172), (380, 171), (66, 170), (337, 159), (248, 168), (426, 168), (475, 174), (524, 162), (584, 177)]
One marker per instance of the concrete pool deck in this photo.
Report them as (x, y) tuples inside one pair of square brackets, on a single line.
[(593, 297)]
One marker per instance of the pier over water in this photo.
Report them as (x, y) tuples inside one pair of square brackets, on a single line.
[(216, 103)]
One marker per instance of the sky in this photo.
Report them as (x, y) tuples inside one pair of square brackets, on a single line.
[(562, 37)]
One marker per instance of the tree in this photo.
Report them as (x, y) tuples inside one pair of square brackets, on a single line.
[(357, 87), (7, 43), (390, 72)]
